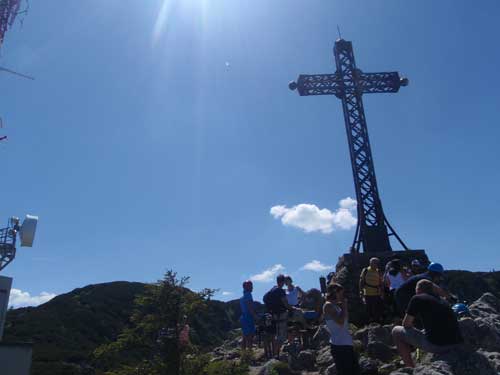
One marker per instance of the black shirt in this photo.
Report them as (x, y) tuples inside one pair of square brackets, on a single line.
[(440, 323), (407, 290), (276, 296)]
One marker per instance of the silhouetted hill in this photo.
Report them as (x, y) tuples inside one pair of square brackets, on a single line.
[(70, 326), (469, 286), (66, 330)]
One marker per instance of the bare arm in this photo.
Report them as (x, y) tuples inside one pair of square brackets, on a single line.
[(408, 321), (285, 302), (251, 309), (338, 315), (440, 291)]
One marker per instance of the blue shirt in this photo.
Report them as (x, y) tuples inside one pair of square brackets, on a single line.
[(247, 297)]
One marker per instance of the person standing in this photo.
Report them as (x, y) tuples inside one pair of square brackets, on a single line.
[(393, 279), (371, 290), (293, 293), (406, 291), (248, 316), (335, 311), (277, 304), (441, 330), (416, 267)]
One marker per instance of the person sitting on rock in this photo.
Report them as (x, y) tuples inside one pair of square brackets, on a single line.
[(371, 290), (335, 312), (441, 331), (248, 316), (406, 291)]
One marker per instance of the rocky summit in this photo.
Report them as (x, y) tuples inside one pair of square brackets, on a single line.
[(480, 353)]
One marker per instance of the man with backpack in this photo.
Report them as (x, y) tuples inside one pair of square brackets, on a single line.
[(371, 290), (277, 304), (406, 291)]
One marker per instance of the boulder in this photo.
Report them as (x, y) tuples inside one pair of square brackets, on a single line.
[(380, 351), (268, 367), (368, 366), (375, 333), (486, 305), (457, 362), (402, 371), (303, 361), (330, 370), (493, 358), (321, 337), (483, 329), (386, 369), (324, 357)]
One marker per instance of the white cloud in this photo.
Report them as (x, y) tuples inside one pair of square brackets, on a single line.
[(316, 266), (348, 203), (18, 298), (311, 218), (227, 293), (268, 275)]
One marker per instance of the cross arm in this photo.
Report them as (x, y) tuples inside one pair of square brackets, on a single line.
[(370, 83), (317, 84), (331, 84)]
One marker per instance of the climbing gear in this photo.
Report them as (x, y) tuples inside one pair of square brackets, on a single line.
[(460, 309)]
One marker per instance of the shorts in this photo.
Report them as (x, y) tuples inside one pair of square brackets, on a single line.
[(247, 325), (417, 339), (281, 323)]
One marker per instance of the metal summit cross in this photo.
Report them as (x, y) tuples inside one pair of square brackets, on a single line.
[(349, 83)]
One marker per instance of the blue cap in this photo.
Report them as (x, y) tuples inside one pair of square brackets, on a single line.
[(435, 267)]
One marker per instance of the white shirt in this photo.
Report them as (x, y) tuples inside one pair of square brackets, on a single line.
[(395, 281), (339, 334), (292, 296)]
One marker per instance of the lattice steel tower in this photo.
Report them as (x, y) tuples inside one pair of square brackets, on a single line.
[(349, 83)]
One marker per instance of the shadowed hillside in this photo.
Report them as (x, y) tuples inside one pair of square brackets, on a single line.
[(66, 330)]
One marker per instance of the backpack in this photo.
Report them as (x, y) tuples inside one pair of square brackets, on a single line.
[(362, 279), (273, 302)]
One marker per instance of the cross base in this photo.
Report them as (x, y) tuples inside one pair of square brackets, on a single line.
[(349, 267)]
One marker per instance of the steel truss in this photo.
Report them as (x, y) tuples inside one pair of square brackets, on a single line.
[(349, 84)]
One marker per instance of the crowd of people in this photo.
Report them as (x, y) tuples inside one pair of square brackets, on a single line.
[(412, 294)]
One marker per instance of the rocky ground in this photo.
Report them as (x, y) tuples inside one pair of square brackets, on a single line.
[(480, 354)]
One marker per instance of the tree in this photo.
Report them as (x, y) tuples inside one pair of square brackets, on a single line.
[(151, 345)]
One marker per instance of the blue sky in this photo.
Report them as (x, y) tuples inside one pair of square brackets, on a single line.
[(159, 134)]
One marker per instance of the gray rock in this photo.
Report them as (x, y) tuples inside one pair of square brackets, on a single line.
[(386, 369), (304, 361), (374, 333), (481, 332), (330, 370), (368, 366), (493, 358), (321, 338), (457, 362), (268, 367), (324, 357), (402, 371), (485, 306), (380, 351)]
